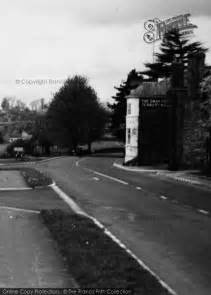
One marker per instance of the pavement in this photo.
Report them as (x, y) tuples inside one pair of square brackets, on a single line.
[(29, 257), (193, 177), (165, 223), (11, 179)]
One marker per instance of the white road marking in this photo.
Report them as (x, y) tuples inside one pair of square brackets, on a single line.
[(110, 177), (163, 197), (20, 209), (78, 210), (203, 211), (78, 161), (15, 188), (139, 188), (96, 178), (140, 262), (102, 174), (67, 199)]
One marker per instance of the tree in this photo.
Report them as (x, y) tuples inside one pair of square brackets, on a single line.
[(119, 106), (18, 116), (205, 104), (40, 133), (5, 104), (205, 107), (8, 103), (96, 126), (75, 115), (174, 47)]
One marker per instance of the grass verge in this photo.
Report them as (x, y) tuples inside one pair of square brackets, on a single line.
[(94, 259), (32, 177)]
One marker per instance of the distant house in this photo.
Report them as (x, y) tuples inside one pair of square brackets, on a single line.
[(39, 106)]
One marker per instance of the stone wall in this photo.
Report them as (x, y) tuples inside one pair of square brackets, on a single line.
[(195, 135)]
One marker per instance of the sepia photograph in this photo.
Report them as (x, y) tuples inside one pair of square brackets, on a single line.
[(105, 147)]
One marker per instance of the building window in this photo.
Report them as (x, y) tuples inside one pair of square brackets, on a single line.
[(128, 135), (134, 131), (129, 108)]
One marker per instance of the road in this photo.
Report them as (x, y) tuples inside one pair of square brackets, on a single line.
[(29, 257), (157, 219)]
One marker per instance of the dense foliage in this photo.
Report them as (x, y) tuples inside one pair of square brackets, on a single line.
[(119, 106), (174, 47), (206, 101), (75, 116)]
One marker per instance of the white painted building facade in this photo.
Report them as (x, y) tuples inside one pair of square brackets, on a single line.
[(144, 95), (132, 128)]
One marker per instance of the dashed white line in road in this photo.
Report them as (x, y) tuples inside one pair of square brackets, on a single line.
[(96, 178), (203, 211), (110, 177), (102, 174), (139, 188)]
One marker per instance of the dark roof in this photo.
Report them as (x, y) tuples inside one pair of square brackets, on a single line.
[(150, 89)]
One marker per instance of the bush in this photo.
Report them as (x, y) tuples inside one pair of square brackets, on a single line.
[(35, 178)]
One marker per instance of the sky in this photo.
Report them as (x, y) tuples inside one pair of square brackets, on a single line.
[(43, 42)]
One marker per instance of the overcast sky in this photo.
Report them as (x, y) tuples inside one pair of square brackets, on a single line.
[(102, 39)]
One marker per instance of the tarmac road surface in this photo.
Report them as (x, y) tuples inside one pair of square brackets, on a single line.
[(28, 255), (157, 219)]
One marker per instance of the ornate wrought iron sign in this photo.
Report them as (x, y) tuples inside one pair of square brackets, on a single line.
[(157, 28)]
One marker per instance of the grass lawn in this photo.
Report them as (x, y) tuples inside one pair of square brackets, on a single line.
[(94, 260)]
